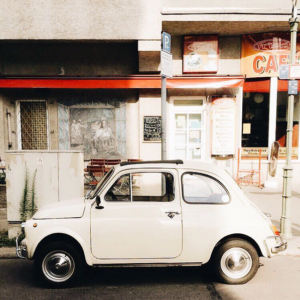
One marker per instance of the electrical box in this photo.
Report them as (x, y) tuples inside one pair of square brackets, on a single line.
[(58, 177)]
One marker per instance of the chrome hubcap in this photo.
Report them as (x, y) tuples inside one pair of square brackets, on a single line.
[(236, 263), (58, 266)]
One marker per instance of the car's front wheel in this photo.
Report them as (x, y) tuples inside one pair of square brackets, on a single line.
[(235, 261), (58, 264)]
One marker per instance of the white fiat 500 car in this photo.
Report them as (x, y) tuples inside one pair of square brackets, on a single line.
[(161, 213)]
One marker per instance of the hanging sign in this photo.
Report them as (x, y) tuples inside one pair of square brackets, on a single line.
[(166, 42), (166, 64), (223, 126), (293, 87), (200, 54), (264, 53)]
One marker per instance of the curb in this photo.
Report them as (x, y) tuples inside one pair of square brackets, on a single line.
[(8, 252)]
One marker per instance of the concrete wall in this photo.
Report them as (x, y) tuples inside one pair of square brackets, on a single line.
[(6, 104), (229, 59), (82, 59), (228, 6), (149, 105), (79, 20)]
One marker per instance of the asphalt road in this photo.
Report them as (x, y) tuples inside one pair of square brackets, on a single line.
[(17, 282), (277, 279)]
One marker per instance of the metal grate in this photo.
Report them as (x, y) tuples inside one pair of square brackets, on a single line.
[(33, 125)]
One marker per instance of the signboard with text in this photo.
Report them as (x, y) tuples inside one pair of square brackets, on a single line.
[(223, 126), (166, 42), (264, 53)]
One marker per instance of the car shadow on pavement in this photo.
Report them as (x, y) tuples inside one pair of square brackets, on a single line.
[(145, 275)]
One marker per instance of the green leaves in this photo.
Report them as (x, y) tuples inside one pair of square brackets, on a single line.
[(28, 202)]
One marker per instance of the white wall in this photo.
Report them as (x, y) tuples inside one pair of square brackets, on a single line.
[(80, 19), (150, 105)]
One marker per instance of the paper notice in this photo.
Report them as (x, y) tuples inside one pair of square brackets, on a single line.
[(247, 128), (181, 121), (194, 134)]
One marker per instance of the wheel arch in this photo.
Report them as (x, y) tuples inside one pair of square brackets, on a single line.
[(59, 237), (242, 237)]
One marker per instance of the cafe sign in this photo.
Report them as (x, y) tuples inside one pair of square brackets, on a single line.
[(264, 53)]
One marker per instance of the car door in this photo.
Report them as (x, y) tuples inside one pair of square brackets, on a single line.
[(141, 217)]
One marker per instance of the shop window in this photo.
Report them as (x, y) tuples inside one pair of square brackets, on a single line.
[(281, 124), (255, 129), (32, 125)]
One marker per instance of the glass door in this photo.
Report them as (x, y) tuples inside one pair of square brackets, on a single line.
[(188, 136)]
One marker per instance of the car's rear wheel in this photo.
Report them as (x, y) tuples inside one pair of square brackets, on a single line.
[(58, 264), (235, 262)]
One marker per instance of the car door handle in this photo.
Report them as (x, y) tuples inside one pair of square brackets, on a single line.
[(171, 214)]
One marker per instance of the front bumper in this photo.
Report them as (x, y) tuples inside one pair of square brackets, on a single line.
[(278, 245), (21, 249)]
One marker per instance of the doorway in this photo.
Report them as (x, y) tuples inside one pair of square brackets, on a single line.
[(187, 132)]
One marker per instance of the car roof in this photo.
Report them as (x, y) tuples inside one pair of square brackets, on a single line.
[(173, 164)]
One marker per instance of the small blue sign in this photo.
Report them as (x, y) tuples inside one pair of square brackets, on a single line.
[(293, 87), (166, 42)]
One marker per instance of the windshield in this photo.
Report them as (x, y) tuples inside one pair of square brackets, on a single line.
[(101, 183)]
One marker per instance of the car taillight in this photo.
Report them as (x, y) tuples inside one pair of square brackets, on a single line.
[(275, 230)]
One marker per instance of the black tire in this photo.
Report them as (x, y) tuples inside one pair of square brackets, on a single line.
[(235, 261), (59, 265)]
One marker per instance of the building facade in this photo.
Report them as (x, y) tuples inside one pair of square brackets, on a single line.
[(86, 75)]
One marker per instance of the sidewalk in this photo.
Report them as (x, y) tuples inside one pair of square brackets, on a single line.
[(270, 200)]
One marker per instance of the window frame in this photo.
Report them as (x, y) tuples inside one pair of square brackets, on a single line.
[(19, 126), (209, 176), (130, 188)]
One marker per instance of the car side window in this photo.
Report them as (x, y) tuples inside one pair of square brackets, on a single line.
[(120, 191), (203, 189), (145, 187), (153, 187)]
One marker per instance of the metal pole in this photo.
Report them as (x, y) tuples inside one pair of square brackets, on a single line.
[(163, 117), (285, 221)]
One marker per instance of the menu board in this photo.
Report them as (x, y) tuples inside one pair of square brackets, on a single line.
[(200, 54), (223, 126), (152, 128)]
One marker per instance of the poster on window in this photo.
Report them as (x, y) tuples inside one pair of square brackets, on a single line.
[(99, 132), (200, 54), (223, 126), (264, 53)]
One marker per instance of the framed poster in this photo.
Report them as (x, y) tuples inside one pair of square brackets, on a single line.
[(223, 126), (152, 128), (200, 54)]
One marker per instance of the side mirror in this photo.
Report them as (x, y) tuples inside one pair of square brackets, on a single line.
[(98, 202)]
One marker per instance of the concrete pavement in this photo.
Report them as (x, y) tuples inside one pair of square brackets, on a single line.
[(270, 200)]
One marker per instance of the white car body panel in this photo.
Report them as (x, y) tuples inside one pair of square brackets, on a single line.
[(142, 233), (61, 210)]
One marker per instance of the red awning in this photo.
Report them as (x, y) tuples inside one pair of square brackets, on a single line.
[(257, 85), (126, 82)]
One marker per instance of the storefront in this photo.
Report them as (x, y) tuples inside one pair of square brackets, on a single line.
[(264, 111)]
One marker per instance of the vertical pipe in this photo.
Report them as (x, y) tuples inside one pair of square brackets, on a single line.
[(285, 220)]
